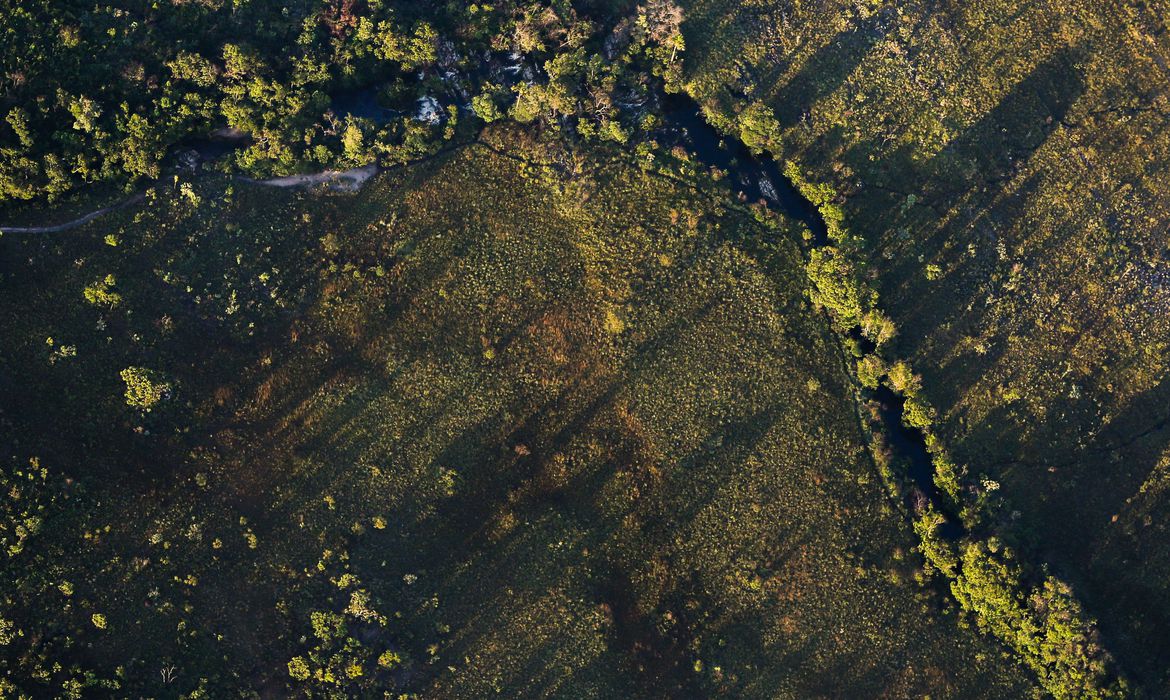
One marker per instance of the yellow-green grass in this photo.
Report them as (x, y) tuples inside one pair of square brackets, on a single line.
[(1006, 165), (573, 426)]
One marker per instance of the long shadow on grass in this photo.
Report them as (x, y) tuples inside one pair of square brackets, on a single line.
[(825, 70), (965, 177), (1069, 511)]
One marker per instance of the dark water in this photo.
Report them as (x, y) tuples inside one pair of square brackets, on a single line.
[(363, 104), (194, 151), (909, 447), (756, 178), (761, 178)]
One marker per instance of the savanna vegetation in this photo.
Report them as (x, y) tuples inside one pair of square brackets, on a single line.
[(1002, 167), (550, 407), (490, 425)]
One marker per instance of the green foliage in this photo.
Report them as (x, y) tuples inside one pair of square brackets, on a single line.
[(145, 388), (484, 106), (338, 662), (870, 370), (101, 292), (327, 626), (823, 197), (758, 128), (903, 379), (367, 395), (917, 413), (878, 327), (298, 669), (939, 553), (947, 476), (108, 103), (531, 103), (1022, 324), (28, 497), (1044, 624), (837, 286)]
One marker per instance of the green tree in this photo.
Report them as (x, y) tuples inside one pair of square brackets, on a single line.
[(145, 388), (870, 370), (837, 286), (485, 108), (101, 292), (758, 128)]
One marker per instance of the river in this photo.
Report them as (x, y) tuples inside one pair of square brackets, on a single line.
[(759, 179)]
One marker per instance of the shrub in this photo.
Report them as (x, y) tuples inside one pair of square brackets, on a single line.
[(837, 286), (328, 626), (298, 668), (101, 292), (389, 659), (145, 388)]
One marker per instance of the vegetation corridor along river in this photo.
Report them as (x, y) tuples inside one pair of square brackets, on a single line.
[(757, 178)]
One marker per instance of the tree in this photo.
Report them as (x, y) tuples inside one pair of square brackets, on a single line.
[(658, 28), (758, 128), (870, 370), (661, 20), (145, 388), (878, 327), (485, 107), (903, 380), (101, 292), (837, 286)]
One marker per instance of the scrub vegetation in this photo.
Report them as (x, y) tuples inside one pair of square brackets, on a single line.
[(1003, 169), (487, 426), (364, 348)]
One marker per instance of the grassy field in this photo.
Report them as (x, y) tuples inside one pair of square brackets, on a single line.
[(1005, 165), (521, 421)]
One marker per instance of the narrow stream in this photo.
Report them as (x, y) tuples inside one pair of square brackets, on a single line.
[(762, 179), (759, 179)]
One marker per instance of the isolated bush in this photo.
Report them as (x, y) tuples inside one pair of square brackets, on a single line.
[(145, 388), (101, 292)]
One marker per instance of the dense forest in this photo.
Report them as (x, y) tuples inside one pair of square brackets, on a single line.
[(364, 348)]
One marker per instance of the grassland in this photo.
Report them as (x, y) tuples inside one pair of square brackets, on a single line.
[(522, 420), (1005, 165)]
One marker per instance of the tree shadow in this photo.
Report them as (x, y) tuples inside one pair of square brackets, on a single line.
[(825, 70)]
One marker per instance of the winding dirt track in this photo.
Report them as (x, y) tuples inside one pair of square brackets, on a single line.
[(339, 180), (342, 180), (81, 221)]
